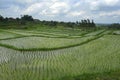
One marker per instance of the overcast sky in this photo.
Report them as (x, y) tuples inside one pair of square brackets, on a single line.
[(102, 11)]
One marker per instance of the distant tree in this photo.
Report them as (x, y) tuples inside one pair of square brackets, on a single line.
[(36, 20), (6, 19), (82, 23), (70, 24), (93, 24), (88, 21), (11, 19), (114, 26), (85, 21), (52, 23), (1, 18), (27, 18), (77, 22), (87, 24), (17, 19)]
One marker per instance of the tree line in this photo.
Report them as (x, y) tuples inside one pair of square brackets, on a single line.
[(23, 18), (87, 23), (114, 26)]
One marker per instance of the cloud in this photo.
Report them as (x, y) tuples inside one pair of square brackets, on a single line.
[(76, 13), (77, 4), (98, 4), (67, 10), (34, 8), (113, 13), (59, 6), (12, 11), (94, 5), (46, 8), (111, 2)]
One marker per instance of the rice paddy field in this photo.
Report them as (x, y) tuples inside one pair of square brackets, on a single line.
[(52, 55)]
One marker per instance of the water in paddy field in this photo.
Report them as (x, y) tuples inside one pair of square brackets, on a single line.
[(5, 56)]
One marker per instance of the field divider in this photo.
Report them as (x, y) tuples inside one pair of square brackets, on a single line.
[(14, 37), (11, 32), (92, 76)]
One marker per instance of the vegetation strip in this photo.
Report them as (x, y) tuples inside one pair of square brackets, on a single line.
[(14, 37), (11, 32), (111, 75)]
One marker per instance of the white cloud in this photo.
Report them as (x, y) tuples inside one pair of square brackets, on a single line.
[(12, 11), (24, 1), (47, 8), (111, 2), (76, 13), (59, 7), (77, 4), (33, 8), (96, 4), (113, 13)]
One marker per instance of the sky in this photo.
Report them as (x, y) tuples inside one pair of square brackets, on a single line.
[(101, 11)]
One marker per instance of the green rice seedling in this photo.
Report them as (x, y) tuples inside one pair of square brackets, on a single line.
[(98, 56), (42, 43), (95, 33), (6, 35), (117, 32), (95, 53)]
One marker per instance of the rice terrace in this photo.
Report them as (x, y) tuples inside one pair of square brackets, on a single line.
[(33, 49)]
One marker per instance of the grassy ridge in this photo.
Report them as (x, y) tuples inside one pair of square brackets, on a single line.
[(111, 75)]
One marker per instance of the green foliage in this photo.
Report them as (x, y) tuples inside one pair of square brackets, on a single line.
[(114, 26), (26, 18), (27, 21), (112, 75), (1, 18), (86, 24)]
